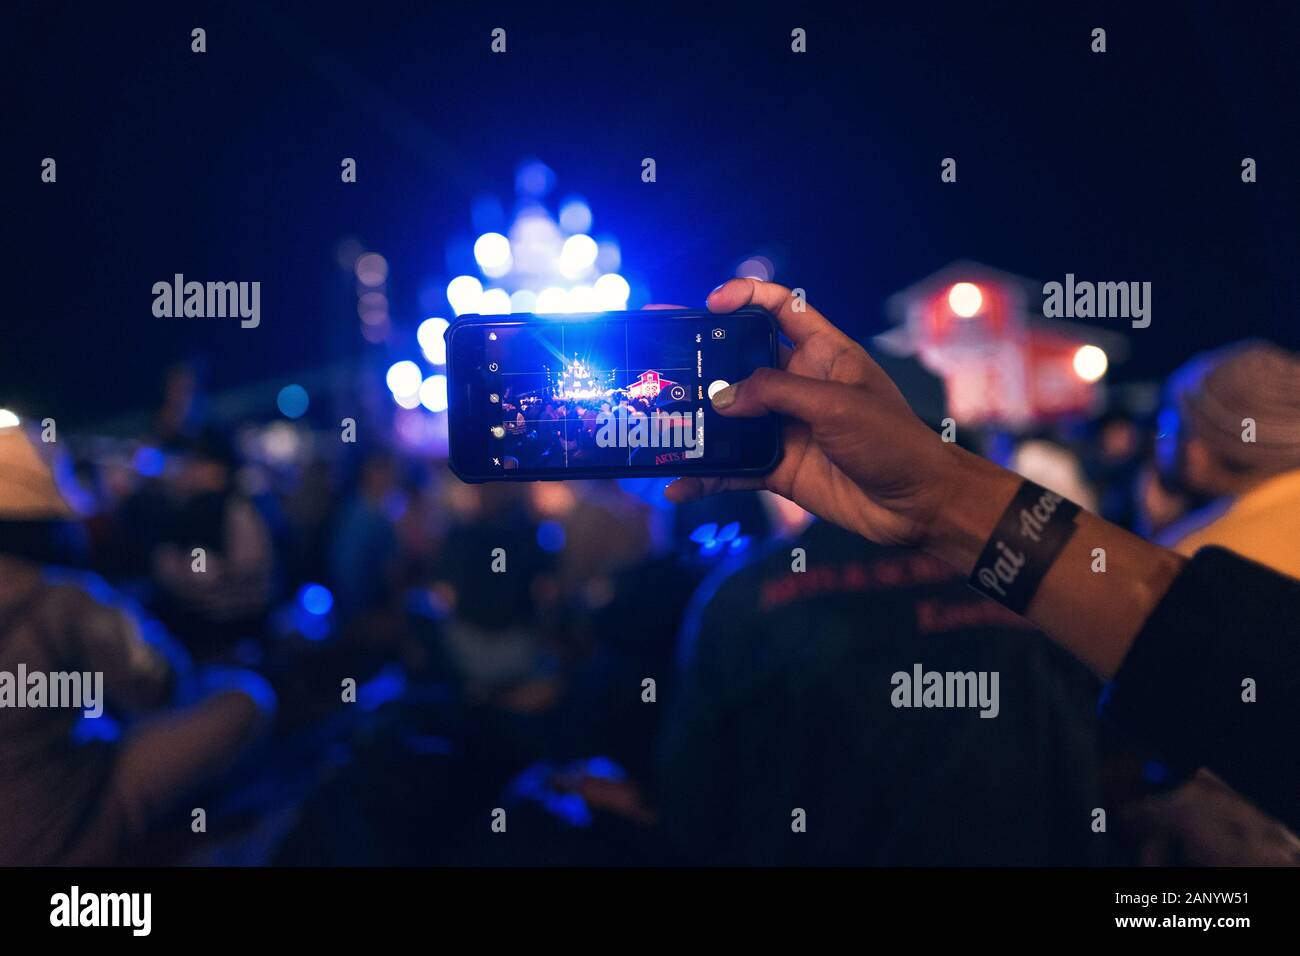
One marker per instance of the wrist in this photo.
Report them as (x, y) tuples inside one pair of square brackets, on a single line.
[(969, 500)]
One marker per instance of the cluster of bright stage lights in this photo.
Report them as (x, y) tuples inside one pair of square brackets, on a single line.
[(542, 264)]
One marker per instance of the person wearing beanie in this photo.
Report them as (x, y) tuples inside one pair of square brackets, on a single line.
[(1238, 442)]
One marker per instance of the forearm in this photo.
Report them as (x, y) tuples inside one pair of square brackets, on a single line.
[(1093, 614)]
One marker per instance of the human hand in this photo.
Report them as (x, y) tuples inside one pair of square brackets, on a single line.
[(854, 452)]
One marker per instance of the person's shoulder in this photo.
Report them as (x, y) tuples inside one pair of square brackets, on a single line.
[(81, 599), (81, 588), (731, 590)]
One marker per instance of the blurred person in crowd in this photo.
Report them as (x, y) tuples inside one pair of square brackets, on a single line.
[(786, 698), (179, 416), (1204, 822), (214, 598), (635, 627), (1157, 507), (1160, 626), (605, 530), (1234, 435), (309, 511), (1217, 487), (1115, 464), (71, 791), (498, 583), (1056, 467), (363, 556), (423, 523)]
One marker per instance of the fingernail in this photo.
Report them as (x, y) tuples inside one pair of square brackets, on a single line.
[(725, 397), (715, 289)]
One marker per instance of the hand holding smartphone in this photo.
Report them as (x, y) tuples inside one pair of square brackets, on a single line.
[(606, 395)]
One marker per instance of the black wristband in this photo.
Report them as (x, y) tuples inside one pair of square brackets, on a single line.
[(1029, 536)]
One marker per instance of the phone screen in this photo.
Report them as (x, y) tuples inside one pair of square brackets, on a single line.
[(620, 393)]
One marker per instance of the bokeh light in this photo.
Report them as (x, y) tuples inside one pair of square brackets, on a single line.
[(293, 401), (608, 256), (611, 291), (534, 178), (756, 267), (1090, 363), (552, 299), (965, 299), (523, 300), (578, 256), (430, 336), (463, 294), (492, 253), (315, 599), (433, 393), (582, 298), (404, 379), (575, 216), (372, 269), (494, 302)]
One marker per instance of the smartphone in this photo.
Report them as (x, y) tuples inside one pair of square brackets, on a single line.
[(605, 395)]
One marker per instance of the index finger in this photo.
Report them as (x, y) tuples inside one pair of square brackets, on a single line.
[(798, 326)]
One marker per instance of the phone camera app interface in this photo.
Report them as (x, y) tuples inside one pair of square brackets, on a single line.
[(601, 394)]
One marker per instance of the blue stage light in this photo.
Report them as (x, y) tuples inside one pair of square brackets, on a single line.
[(492, 253), (534, 178), (494, 302), (404, 378), (704, 533), (432, 343), (463, 293), (433, 393), (293, 401), (316, 599), (577, 256), (550, 536), (611, 291), (575, 216), (552, 299), (149, 461)]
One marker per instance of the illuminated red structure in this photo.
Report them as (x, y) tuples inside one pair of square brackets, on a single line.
[(982, 331), (648, 386)]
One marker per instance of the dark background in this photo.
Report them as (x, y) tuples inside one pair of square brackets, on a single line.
[(225, 165)]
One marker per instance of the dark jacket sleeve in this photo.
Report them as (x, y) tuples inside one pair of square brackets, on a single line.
[(1213, 679)]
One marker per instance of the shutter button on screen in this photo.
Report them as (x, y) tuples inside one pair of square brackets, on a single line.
[(716, 386)]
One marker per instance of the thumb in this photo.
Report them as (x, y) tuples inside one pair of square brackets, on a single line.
[(773, 390)]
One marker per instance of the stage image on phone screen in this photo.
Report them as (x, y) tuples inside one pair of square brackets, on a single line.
[(608, 395)]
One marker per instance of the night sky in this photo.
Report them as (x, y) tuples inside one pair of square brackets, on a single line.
[(225, 165)]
